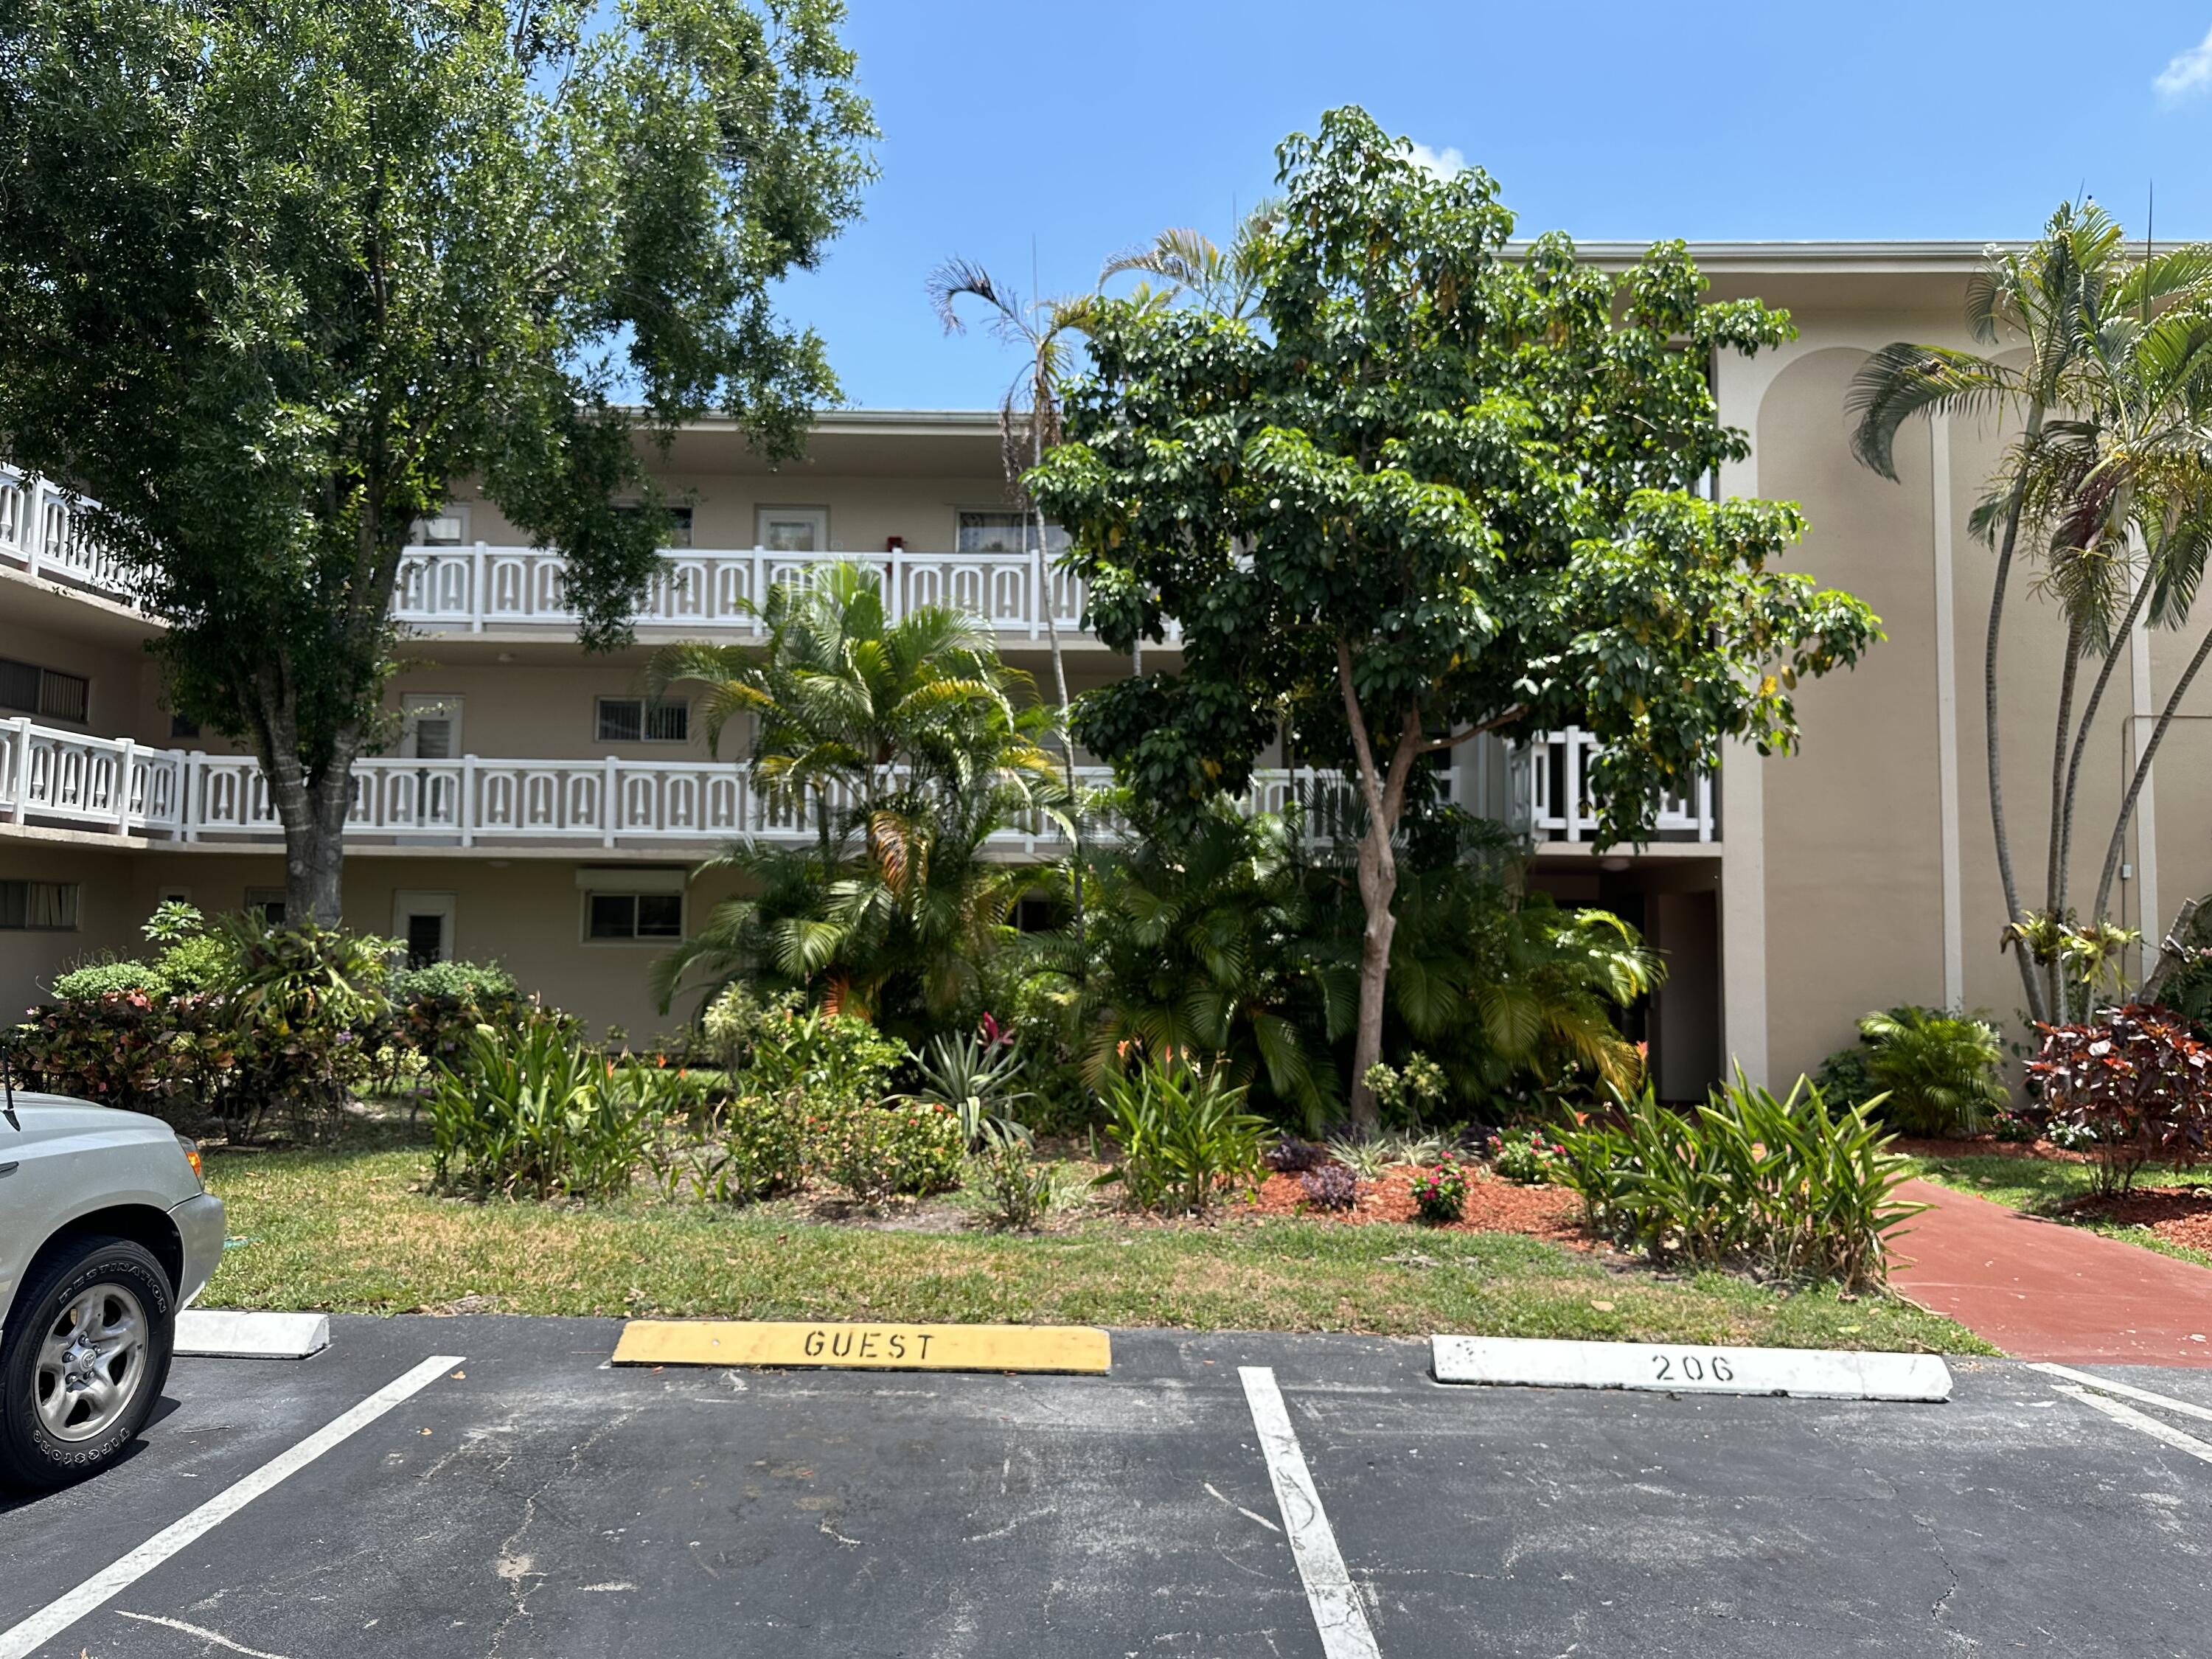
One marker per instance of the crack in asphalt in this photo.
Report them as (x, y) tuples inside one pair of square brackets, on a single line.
[(519, 1570)]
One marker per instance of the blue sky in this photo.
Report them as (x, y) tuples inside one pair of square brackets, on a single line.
[(1079, 128)]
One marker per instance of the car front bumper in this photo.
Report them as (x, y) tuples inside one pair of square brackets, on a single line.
[(199, 1224)]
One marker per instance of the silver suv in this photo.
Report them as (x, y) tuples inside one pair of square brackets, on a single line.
[(105, 1233)]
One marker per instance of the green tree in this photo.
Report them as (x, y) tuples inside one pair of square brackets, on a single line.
[(1424, 491), (274, 279), (2105, 362), (905, 745)]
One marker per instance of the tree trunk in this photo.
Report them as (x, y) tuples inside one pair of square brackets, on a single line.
[(1998, 582), (1385, 800), (1059, 690), (2054, 877)]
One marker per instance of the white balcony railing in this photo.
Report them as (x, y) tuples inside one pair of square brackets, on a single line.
[(43, 530), (1548, 785), (108, 783), (60, 777), (476, 588)]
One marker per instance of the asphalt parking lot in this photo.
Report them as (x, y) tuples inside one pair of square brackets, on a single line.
[(529, 1501)]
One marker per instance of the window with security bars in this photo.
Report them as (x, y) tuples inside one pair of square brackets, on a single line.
[(31, 689), (644, 720), (39, 907)]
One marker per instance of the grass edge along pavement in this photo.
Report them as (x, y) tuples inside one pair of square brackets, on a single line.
[(349, 1231)]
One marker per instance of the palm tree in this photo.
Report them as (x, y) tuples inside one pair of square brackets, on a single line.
[(2107, 470), (1201, 945), (1028, 413), (905, 745)]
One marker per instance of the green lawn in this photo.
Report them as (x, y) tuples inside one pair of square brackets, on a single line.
[(349, 1229), (2041, 1187)]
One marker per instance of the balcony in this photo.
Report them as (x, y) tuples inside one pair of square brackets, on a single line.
[(1548, 798), (44, 533), (122, 787), (483, 588)]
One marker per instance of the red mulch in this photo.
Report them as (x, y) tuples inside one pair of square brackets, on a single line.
[(2179, 1215), (1493, 1207), (1984, 1148)]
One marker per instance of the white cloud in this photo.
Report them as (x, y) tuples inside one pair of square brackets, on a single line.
[(1448, 163), (2190, 74)]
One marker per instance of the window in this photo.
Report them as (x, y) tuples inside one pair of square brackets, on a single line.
[(269, 902), (1002, 530), (425, 923), (644, 720), (46, 691), (679, 523), (448, 529), (632, 916), (792, 529), (39, 907), (429, 726), (181, 727)]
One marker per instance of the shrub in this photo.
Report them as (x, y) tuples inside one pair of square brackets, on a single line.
[(975, 1077), (171, 1056), (1183, 1134), (1332, 1186), (1792, 1186), (436, 1008), (730, 1151), (1292, 1156), (1440, 1194), (1939, 1074), (1529, 1156), (907, 1147), (833, 1061), (528, 1111), (1404, 1095), (2135, 1087), (98, 979), (2012, 1128), (1017, 1190), (736, 1019)]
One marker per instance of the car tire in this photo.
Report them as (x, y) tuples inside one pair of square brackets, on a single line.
[(85, 1355)]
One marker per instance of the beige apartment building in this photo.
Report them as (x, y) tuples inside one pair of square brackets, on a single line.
[(539, 809)]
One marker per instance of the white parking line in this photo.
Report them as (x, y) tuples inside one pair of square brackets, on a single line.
[(2135, 1419), (1337, 1614), (21, 1641), (2108, 1386)]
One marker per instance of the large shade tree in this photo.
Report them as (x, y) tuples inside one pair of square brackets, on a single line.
[(275, 279), (1427, 487)]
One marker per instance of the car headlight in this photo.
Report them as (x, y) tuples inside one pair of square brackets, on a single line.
[(191, 1149)]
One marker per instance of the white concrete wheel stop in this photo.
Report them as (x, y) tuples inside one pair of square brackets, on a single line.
[(1685, 1368), (215, 1334)]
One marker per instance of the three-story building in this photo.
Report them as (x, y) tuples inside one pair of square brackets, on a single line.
[(540, 808)]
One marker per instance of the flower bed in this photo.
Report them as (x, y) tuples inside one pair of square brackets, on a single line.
[(1493, 1207), (2176, 1215)]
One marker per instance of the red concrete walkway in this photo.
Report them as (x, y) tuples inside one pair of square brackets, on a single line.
[(2040, 1290)]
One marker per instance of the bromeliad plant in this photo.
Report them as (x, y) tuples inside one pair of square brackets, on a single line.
[(975, 1077), (1793, 1188)]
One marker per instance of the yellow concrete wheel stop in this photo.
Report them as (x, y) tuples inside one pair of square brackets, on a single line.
[(864, 1347)]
